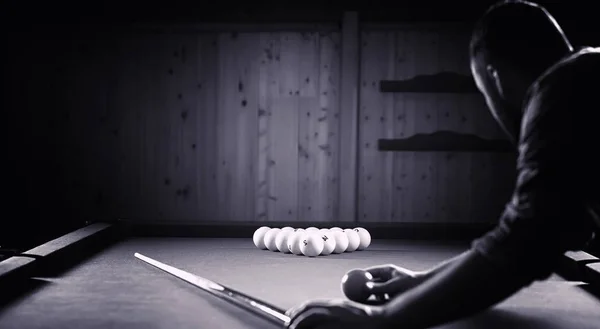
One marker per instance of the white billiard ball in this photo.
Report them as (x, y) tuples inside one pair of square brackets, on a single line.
[(341, 242), (259, 237), (270, 237), (311, 245), (281, 241), (328, 243), (293, 242), (288, 228), (353, 240), (365, 238)]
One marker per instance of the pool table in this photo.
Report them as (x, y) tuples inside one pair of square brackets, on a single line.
[(100, 284)]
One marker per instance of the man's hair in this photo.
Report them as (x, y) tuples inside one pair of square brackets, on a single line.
[(519, 33)]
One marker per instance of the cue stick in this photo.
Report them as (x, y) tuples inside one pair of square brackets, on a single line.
[(269, 312)]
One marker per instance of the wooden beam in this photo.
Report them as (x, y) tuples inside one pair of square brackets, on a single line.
[(54, 255), (592, 274), (572, 266), (12, 265), (58, 254), (348, 117), (68, 240)]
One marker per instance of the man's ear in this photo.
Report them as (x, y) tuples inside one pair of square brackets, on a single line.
[(493, 74)]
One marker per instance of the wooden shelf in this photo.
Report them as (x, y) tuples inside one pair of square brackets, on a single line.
[(446, 141), (444, 82)]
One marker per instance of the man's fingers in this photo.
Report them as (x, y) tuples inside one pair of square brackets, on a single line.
[(378, 288), (318, 304), (390, 287), (309, 318), (376, 300), (380, 272)]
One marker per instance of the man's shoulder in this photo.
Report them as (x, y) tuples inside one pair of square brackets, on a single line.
[(569, 80), (563, 97), (572, 71)]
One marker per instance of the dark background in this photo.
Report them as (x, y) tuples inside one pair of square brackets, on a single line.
[(579, 18), (27, 158)]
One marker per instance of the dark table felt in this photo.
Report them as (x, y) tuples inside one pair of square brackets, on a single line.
[(115, 290)]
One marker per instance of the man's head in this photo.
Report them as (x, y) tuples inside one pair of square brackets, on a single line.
[(512, 45)]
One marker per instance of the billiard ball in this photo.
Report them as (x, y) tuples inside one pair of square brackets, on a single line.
[(259, 237), (365, 238), (328, 243), (353, 240), (341, 242), (354, 285), (270, 237), (311, 245), (312, 229), (336, 229), (288, 228), (281, 241), (293, 242)]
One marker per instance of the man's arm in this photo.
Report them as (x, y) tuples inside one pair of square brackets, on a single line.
[(461, 287), (439, 268), (544, 218)]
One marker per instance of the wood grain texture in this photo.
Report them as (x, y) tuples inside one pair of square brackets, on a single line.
[(237, 125), (226, 126), (436, 187), (206, 116), (374, 178), (204, 127), (297, 71), (269, 50), (268, 127), (328, 125), (349, 90)]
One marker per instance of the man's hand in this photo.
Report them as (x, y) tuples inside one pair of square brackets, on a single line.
[(391, 280), (335, 313)]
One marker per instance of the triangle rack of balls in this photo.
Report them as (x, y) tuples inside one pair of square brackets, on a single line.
[(311, 242)]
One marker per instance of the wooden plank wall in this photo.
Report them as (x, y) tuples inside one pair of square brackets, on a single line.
[(431, 187), (208, 127), (224, 127)]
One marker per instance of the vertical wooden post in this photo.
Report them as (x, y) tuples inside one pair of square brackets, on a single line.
[(348, 117)]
